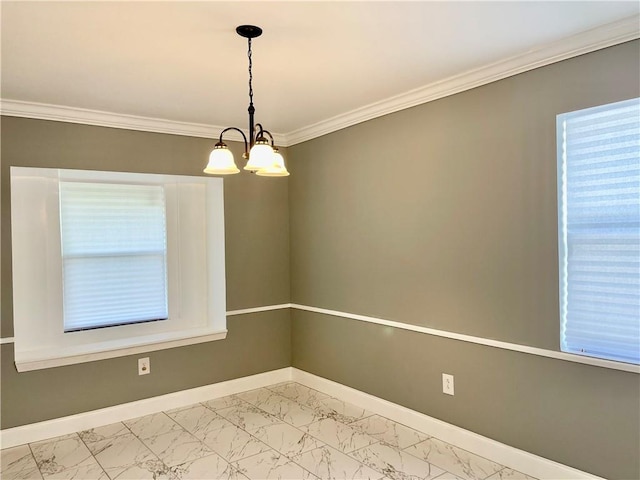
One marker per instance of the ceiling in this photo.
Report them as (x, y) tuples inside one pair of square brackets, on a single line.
[(183, 62)]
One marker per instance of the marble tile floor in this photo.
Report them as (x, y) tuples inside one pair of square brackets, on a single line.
[(285, 431)]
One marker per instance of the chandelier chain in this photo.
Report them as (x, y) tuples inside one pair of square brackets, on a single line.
[(250, 75)]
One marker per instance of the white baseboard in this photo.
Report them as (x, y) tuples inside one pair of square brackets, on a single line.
[(520, 460), (511, 457), (82, 421)]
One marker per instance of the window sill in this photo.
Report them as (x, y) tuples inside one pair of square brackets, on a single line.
[(41, 359)]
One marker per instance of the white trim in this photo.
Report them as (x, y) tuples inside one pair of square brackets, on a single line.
[(258, 309), (61, 113), (511, 457), (591, 40), (57, 361), (570, 357), (230, 313), (82, 421)]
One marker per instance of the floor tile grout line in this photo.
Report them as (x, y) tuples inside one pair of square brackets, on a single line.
[(35, 460), (91, 451)]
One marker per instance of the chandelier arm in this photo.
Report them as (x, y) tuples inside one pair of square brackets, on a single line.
[(269, 134), (244, 137)]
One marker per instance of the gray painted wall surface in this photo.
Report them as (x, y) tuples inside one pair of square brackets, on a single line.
[(445, 215), (257, 268)]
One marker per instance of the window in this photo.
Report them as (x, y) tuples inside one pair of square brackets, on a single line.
[(114, 254), (118, 250), (599, 231)]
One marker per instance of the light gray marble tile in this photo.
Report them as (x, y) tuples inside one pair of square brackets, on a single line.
[(177, 446), (395, 463), (17, 463), (87, 470), (247, 416), (339, 435), (199, 420), (270, 465), (233, 443), (212, 466), (389, 432), (223, 402), (288, 410), (152, 425), (453, 459), (330, 464), (148, 470), (286, 439), (104, 432), (60, 453), (340, 410), (257, 397), (300, 393), (509, 474), (125, 456)]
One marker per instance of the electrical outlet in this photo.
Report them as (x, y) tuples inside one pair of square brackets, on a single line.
[(144, 366), (447, 384)]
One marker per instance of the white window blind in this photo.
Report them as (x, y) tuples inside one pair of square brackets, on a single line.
[(114, 254), (599, 231)]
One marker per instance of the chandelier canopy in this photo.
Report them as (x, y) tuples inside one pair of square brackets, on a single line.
[(263, 157)]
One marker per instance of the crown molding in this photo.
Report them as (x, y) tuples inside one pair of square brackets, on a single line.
[(588, 41), (61, 113)]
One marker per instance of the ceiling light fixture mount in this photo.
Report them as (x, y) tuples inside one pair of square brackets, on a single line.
[(263, 157)]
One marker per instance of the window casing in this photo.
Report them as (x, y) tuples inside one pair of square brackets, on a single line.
[(599, 231), (194, 269)]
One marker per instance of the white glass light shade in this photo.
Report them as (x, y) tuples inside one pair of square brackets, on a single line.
[(221, 161), (260, 155), (277, 168)]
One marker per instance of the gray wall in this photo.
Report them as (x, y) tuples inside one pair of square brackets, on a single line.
[(257, 267), (444, 215)]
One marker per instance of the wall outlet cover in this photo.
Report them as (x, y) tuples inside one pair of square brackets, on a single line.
[(144, 366), (447, 384)]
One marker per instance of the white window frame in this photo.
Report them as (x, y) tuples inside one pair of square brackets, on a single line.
[(195, 264), (572, 344)]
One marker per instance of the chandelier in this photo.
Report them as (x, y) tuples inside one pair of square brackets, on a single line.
[(263, 157)]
